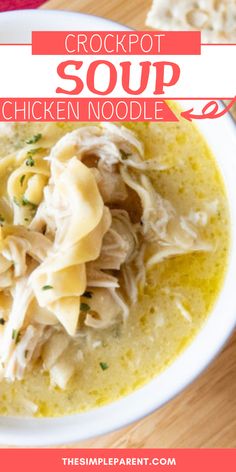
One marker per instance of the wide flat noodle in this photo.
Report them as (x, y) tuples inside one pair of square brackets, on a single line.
[(79, 240), (76, 192)]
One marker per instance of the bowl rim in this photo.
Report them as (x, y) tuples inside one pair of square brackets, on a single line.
[(105, 22), (50, 431)]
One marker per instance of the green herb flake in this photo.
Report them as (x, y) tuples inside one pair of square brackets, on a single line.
[(26, 219), (34, 139), (15, 334), (22, 179), (2, 321), (84, 307), (103, 365), (25, 202), (47, 287), (124, 155), (87, 294), (2, 219), (30, 161)]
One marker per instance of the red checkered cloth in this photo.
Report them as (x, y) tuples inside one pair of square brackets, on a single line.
[(6, 5)]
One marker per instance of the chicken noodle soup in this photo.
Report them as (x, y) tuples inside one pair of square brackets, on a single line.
[(114, 242)]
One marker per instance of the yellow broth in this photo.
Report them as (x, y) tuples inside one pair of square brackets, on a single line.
[(155, 332)]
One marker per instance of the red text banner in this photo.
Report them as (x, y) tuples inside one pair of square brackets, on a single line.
[(63, 460), (84, 109), (116, 42)]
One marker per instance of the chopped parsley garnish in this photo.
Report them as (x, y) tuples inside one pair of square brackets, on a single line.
[(15, 335), (26, 219), (25, 202), (124, 155), (1, 220), (30, 161), (34, 139), (2, 321), (47, 287), (87, 294), (103, 365), (14, 332), (84, 307), (22, 179)]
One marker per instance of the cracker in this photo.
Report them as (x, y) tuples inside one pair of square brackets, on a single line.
[(216, 19)]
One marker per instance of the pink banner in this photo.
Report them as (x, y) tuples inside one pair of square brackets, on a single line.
[(116, 42), (84, 109), (62, 460), (6, 5)]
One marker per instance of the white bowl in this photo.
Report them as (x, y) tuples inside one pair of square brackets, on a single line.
[(220, 134)]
